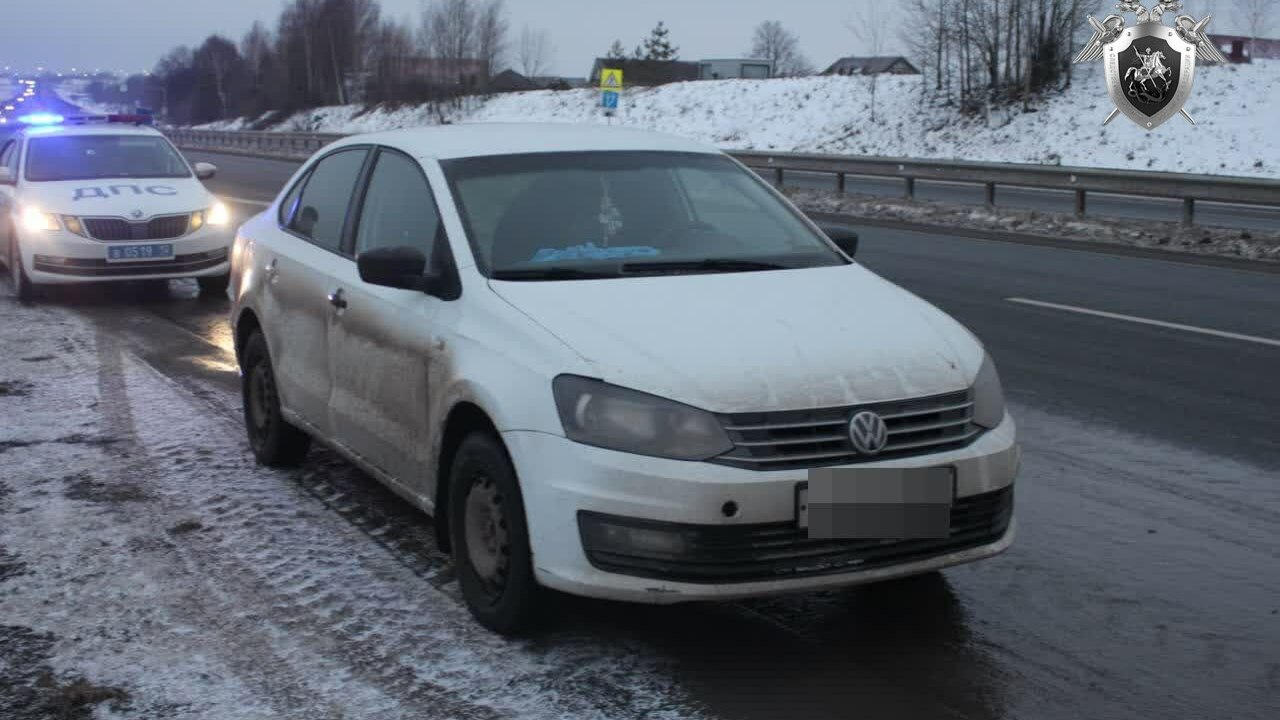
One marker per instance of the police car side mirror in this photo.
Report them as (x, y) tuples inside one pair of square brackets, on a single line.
[(843, 236), (6, 176), (205, 171)]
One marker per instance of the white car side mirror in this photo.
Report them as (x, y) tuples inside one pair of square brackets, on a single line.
[(205, 170), (6, 176)]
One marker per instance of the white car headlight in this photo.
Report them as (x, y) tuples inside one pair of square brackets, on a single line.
[(608, 416), (988, 395), (34, 220)]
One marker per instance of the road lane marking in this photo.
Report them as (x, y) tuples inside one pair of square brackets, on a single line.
[(245, 201), (1146, 321)]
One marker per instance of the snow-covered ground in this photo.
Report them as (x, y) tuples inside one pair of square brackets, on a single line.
[(146, 561), (1236, 107)]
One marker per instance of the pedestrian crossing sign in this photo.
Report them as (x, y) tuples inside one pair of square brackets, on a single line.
[(610, 79)]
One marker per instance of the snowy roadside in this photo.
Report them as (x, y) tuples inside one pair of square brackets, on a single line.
[(1235, 107), (1164, 236), (149, 569)]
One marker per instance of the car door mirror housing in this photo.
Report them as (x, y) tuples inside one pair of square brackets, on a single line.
[(400, 267), (205, 171), (843, 236), (6, 176)]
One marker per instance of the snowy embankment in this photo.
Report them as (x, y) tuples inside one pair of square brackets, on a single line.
[(75, 91), (1235, 107)]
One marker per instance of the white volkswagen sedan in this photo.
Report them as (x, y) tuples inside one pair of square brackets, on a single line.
[(616, 364), (107, 198)]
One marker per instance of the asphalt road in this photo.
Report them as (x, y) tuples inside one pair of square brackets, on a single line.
[(1145, 581)]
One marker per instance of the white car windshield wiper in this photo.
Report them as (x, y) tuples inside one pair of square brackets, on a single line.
[(555, 272), (705, 265)]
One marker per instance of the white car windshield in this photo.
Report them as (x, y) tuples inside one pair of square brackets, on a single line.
[(603, 214), (88, 157)]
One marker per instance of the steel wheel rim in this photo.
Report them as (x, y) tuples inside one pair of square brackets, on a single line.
[(487, 535), (261, 392)]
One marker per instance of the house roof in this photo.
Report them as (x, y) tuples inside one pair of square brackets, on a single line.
[(511, 81), (868, 65)]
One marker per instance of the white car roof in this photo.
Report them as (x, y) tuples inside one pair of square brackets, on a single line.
[(97, 128), (445, 142)]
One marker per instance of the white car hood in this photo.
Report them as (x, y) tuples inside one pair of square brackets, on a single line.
[(743, 342), (117, 197)]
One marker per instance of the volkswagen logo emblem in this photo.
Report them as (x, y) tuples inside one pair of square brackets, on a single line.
[(868, 433), (136, 214)]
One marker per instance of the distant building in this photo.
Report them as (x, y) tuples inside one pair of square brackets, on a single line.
[(1239, 49), (512, 81), (467, 74), (727, 68), (896, 65), (646, 72)]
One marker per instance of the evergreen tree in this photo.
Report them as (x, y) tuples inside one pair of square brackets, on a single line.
[(658, 46), (616, 51)]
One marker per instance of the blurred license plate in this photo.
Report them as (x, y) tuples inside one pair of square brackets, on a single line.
[(900, 503), (125, 253)]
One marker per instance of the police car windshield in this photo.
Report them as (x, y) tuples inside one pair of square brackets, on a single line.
[(89, 157)]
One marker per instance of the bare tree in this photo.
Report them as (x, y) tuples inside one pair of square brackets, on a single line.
[(773, 42), (449, 29), (872, 30), (491, 34), (1258, 16), (535, 51)]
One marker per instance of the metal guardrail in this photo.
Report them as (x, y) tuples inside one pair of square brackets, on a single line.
[(1188, 188), (298, 146)]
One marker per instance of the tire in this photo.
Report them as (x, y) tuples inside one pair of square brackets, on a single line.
[(214, 284), (490, 537), (274, 441), (22, 285)]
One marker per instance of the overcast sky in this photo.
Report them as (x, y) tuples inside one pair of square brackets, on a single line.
[(132, 34)]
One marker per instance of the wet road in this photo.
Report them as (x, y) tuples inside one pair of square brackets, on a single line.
[(1145, 581)]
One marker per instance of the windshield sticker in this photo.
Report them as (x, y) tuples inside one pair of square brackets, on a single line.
[(610, 217), (98, 192), (590, 251)]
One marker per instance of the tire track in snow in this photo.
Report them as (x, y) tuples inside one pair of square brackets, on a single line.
[(257, 548)]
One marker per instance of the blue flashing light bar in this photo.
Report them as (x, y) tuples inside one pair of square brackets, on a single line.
[(41, 119)]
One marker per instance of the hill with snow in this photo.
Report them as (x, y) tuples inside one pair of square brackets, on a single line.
[(1237, 108)]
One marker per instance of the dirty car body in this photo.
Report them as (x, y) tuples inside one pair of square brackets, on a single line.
[(664, 347)]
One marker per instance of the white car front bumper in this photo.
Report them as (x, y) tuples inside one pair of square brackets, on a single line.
[(59, 257), (562, 481)]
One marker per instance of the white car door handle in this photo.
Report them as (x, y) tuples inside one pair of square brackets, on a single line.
[(338, 299)]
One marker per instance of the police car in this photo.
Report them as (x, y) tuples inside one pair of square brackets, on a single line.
[(87, 199)]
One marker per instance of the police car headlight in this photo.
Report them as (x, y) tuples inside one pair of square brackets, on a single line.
[(34, 220), (217, 215)]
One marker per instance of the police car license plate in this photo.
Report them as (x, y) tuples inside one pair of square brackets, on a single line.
[(128, 253)]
